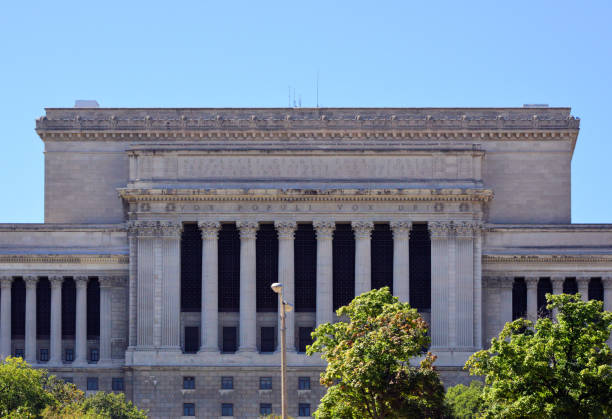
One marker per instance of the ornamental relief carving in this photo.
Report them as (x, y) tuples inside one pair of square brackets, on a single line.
[(155, 228)]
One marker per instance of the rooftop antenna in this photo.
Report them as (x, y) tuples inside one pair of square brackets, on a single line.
[(317, 88), (294, 104), (299, 101)]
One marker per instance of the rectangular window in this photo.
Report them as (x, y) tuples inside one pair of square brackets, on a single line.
[(188, 409), (227, 383), (19, 353), (92, 383), (227, 409), (69, 355), (44, 355), (304, 338), (118, 384), (229, 339), (265, 383), (69, 380), (304, 409), (304, 383), (188, 383), (267, 339), (192, 339), (265, 409), (94, 355)]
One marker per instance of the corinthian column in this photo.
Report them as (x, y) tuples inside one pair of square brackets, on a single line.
[(210, 286), (6, 283), (440, 283), (106, 289), (401, 261), (248, 308), (506, 284), (532, 298), (81, 320), (464, 286), (56, 320), (30, 324), (363, 256), (286, 275), (325, 307), (583, 287)]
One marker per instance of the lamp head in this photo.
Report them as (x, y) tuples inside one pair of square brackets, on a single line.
[(277, 287)]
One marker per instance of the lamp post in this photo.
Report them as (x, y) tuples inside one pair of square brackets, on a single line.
[(284, 309)]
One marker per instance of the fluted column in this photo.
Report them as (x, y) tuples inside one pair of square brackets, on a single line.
[(532, 298), (607, 298), (440, 282), (363, 256), (557, 284), (30, 319), (463, 317), (286, 275), (133, 285), (210, 286), (81, 320), (106, 289), (505, 288), (168, 295), (56, 320), (401, 259), (325, 277), (478, 286), (583, 287), (248, 308), (6, 283)]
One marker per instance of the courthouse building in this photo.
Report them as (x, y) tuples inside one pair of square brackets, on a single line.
[(164, 229)]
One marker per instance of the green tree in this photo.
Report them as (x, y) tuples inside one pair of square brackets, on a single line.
[(22, 389), (553, 369), (113, 406), (464, 401), (368, 372)]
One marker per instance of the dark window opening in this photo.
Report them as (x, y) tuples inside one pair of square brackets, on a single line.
[(304, 409), (229, 268), (18, 307), (596, 291), (188, 409), (305, 260), (265, 409), (117, 384), (570, 286), (191, 268), (519, 298), (343, 245), (94, 355), (266, 246), (227, 409), (68, 308), (267, 339), (43, 309), (192, 339), (189, 383), (230, 343), (265, 383), (304, 338), (19, 353), (420, 267), (304, 383), (227, 383), (544, 287), (44, 355), (382, 257), (93, 309), (69, 355), (92, 383)]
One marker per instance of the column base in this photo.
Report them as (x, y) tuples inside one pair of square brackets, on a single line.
[(209, 349), (248, 349)]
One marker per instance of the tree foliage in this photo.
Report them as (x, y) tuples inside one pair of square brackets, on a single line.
[(551, 369), (464, 401), (368, 372)]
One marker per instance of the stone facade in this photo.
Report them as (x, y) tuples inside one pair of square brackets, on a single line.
[(490, 186)]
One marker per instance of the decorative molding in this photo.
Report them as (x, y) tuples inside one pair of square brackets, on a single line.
[(81, 281), (362, 229), (6, 282), (400, 228), (440, 229), (531, 282), (112, 281), (324, 229), (465, 230), (209, 229), (155, 228), (30, 281), (56, 281), (248, 229), (548, 259), (66, 259), (285, 229)]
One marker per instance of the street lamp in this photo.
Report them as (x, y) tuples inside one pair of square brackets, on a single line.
[(284, 309)]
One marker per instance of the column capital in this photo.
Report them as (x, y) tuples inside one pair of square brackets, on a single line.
[(362, 229), (607, 282), (6, 281), (146, 228), (465, 229), (248, 229), (531, 281), (56, 281), (30, 281), (285, 229), (209, 229), (583, 279), (440, 229), (400, 227), (81, 281), (325, 228), (557, 284)]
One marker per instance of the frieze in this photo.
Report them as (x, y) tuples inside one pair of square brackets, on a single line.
[(546, 259), (66, 259)]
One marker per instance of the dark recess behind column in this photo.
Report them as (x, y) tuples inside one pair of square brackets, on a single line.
[(68, 307), (305, 249), (191, 268), (43, 308), (266, 246), (420, 267), (343, 245), (382, 257), (18, 309), (519, 298), (93, 308), (596, 289), (229, 268), (544, 287)]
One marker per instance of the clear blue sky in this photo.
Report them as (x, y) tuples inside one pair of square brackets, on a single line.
[(225, 53)]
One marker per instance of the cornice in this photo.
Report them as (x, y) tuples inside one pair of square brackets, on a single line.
[(306, 195), (72, 259), (546, 259), (50, 227)]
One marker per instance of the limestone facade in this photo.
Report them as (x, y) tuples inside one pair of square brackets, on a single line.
[(488, 189)]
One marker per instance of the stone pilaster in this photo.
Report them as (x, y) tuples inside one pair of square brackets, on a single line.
[(440, 282), (363, 256), (6, 283), (557, 285), (248, 309), (210, 286), (133, 284), (532, 298), (478, 300), (464, 286), (106, 287), (583, 287), (168, 301), (80, 356), (401, 261), (286, 275), (325, 308), (505, 288), (607, 286), (55, 356), (30, 320)]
